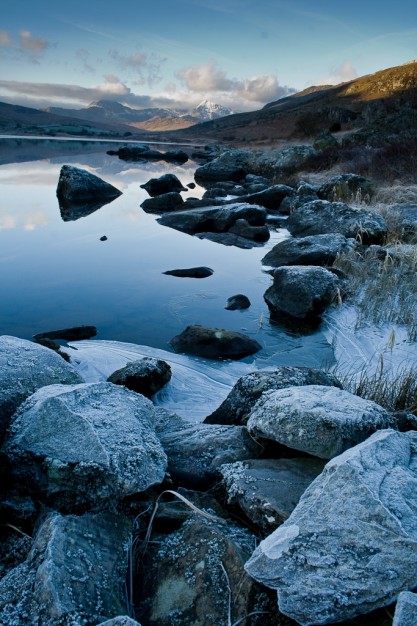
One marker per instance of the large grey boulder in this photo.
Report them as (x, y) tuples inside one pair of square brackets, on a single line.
[(267, 490), (25, 367), (214, 343), (163, 184), (74, 574), (322, 421), (186, 575), (77, 186), (196, 451), (235, 409), (320, 217), (313, 250), (350, 545), (284, 161), (231, 165), (214, 219), (302, 292), (84, 446), (145, 376), (347, 188), (406, 609)]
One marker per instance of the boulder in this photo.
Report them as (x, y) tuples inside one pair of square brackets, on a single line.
[(320, 217), (75, 333), (145, 376), (214, 219), (231, 165), (282, 162), (237, 302), (322, 421), (406, 609), (185, 577), (214, 343), (269, 198), (196, 451), (81, 447), (164, 184), (242, 228), (171, 201), (76, 570), (302, 292), (267, 490), (350, 545), (404, 216), (24, 368), (313, 250), (347, 188), (325, 140), (77, 186), (191, 272), (237, 406)]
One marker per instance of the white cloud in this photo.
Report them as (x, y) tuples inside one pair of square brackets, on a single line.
[(263, 89), (5, 38), (206, 77), (32, 44), (341, 74)]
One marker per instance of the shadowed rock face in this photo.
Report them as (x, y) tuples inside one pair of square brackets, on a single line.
[(314, 250), (163, 184), (146, 376), (214, 343)]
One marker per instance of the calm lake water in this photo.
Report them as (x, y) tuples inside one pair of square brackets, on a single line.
[(56, 274)]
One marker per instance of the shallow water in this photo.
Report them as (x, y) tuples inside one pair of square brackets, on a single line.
[(56, 274)]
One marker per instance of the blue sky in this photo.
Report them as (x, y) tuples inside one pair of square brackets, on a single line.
[(175, 53)]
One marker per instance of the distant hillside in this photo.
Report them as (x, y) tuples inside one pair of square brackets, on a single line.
[(350, 105)]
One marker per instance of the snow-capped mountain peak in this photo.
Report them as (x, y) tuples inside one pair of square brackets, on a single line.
[(208, 110)]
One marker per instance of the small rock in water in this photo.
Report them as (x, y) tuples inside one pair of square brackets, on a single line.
[(145, 376), (192, 272), (69, 334), (103, 238), (239, 301), (214, 343)]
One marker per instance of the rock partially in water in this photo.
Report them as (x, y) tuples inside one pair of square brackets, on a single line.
[(406, 609), (302, 292), (322, 421), (162, 185), (350, 545), (242, 228), (232, 165), (269, 198), (214, 219), (83, 447), (145, 376), (268, 490), (237, 406), (214, 343), (313, 250), (237, 302), (76, 333), (171, 201), (191, 272), (24, 368), (76, 570)]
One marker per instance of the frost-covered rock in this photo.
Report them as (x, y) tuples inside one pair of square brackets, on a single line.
[(314, 250), (248, 389), (25, 367), (302, 292), (322, 421), (74, 574), (84, 446), (120, 620), (267, 490), (320, 217), (145, 376), (406, 609), (214, 343), (350, 545)]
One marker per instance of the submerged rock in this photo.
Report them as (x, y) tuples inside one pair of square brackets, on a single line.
[(76, 570), (81, 447), (322, 421), (214, 343), (162, 185), (350, 545), (145, 376), (192, 272), (24, 368), (237, 406)]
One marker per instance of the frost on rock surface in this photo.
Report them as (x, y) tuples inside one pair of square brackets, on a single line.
[(350, 545), (406, 609), (25, 367), (85, 445), (322, 421), (74, 574)]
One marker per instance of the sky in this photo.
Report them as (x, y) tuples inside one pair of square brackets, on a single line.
[(176, 53)]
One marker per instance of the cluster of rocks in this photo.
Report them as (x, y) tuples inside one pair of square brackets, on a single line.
[(325, 480)]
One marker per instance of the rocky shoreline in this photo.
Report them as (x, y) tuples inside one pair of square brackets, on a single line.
[(118, 512)]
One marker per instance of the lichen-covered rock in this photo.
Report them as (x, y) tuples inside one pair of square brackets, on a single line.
[(77, 186), (145, 376), (78, 447), (302, 292), (322, 421), (235, 409), (406, 609), (25, 367), (320, 217), (74, 574), (267, 490), (350, 545), (348, 188), (214, 343), (163, 184), (314, 250)]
